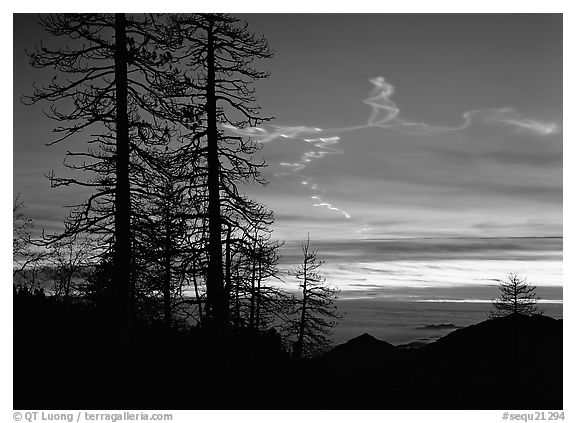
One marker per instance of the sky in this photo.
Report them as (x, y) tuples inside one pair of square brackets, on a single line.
[(420, 152)]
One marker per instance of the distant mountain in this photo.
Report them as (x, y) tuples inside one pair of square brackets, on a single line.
[(418, 343), (513, 362), (362, 347), (441, 326), (433, 332), (364, 351), (519, 331), (510, 362)]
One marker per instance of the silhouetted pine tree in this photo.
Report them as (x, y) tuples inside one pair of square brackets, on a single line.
[(113, 81), (112, 78), (219, 52), (516, 297), (314, 313)]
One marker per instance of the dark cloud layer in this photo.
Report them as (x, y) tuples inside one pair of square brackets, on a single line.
[(385, 250), (476, 293)]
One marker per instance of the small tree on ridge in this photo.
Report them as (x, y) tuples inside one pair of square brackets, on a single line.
[(516, 297)]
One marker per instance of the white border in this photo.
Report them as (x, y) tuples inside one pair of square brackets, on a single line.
[(301, 6)]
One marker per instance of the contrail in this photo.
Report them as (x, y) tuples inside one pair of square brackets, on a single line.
[(323, 146), (384, 114)]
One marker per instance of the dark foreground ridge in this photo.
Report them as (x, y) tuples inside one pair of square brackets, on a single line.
[(63, 359)]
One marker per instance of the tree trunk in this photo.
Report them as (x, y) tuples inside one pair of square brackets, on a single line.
[(253, 288), (258, 298), (299, 347), (122, 246), (215, 283), (515, 286), (228, 281), (237, 299), (167, 272), (198, 299), (67, 286)]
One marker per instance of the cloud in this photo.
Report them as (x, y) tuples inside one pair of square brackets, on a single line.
[(509, 116), (475, 293), (384, 110), (385, 115), (430, 250)]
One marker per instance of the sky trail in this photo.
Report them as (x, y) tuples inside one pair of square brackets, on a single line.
[(384, 114)]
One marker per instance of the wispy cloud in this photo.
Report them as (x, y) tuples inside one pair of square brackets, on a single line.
[(432, 249), (386, 115)]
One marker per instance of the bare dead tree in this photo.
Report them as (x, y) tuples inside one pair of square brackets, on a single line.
[(314, 313), (21, 227), (108, 80), (112, 90), (165, 232), (28, 256), (220, 52), (256, 301), (68, 260)]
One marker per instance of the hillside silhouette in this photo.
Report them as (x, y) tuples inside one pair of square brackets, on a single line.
[(63, 357), (509, 362)]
